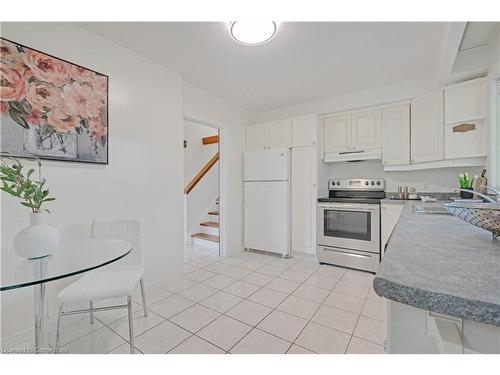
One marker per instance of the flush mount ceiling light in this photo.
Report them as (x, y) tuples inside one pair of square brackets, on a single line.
[(250, 33)]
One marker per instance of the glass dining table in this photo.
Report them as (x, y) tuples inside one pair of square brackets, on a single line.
[(71, 258)]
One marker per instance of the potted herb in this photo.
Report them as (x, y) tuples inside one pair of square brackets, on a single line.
[(39, 239), (466, 184)]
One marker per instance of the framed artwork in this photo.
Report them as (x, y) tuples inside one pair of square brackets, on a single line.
[(51, 108)]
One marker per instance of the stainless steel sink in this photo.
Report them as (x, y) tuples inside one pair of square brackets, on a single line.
[(430, 210)]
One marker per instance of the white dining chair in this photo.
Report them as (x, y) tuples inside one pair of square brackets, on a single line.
[(117, 280)]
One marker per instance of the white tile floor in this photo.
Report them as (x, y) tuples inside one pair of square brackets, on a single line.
[(248, 303)]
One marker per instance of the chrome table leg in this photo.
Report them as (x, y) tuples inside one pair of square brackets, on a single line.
[(130, 325), (91, 307), (143, 293), (41, 337)]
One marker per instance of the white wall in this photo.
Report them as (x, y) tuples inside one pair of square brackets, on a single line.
[(144, 177), (433, 180), (430, 180), (493, 108), (366, 98), (196, 155), (201, 105)]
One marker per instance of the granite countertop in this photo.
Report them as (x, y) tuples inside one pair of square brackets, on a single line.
[(396, 201), (442, 264)]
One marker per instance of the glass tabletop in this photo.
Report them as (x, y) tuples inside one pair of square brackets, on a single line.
[(71, 258)]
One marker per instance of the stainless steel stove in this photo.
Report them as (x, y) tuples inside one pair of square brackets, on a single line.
[(348, 232)]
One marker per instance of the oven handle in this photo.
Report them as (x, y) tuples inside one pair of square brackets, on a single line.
[(347, 253), (347, 208)]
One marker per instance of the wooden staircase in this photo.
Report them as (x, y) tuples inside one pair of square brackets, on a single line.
[(209, 231)]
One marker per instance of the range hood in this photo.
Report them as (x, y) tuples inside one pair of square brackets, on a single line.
[(358, 155)]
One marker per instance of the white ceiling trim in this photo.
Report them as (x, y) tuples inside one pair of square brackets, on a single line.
[(451, 45)]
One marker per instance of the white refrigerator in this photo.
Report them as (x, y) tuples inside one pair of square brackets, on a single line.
[(267, 200)]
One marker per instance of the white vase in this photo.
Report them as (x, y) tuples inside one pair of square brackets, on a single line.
[(37, 240)]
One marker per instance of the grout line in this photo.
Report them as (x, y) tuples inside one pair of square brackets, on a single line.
[(300, 346), (275, 309), (194, 334), (135, 336), (84, 317), (357, 320), (320, 305), (261, 330), (252, 327), (128, 345), (82, 336), (312, 317)]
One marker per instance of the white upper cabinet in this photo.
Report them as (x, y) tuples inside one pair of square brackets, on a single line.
[(304, 130), (273, 134), (256, 137), (352, 132), (366, 130), (427, 128), (280, 133), (464, 102), (464, 130), (338, 134), (396, 135)]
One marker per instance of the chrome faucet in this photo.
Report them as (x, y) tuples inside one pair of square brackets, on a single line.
[(493, 190), (489, 199)]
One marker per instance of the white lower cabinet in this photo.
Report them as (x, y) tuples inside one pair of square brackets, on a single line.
[(408, 332), (390, 214), (303, 199)]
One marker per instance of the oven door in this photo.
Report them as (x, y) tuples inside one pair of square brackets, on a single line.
[(350, 226)]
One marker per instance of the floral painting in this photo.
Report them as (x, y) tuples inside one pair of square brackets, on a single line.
[(51, 108)]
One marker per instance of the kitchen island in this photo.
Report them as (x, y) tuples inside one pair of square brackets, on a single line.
[(442, 277)]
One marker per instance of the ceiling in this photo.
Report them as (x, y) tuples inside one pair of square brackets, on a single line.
[(476, 34), (305, 61)]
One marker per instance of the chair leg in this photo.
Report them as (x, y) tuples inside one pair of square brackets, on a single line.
[(91, 307), (58, 328), (143, 293), (130, 325)]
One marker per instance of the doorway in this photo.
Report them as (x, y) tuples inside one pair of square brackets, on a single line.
[(202, 189)]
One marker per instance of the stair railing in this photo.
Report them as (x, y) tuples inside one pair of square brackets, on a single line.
[(203, 171)]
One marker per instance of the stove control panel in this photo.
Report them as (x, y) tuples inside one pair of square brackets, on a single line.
[(377, 184)]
